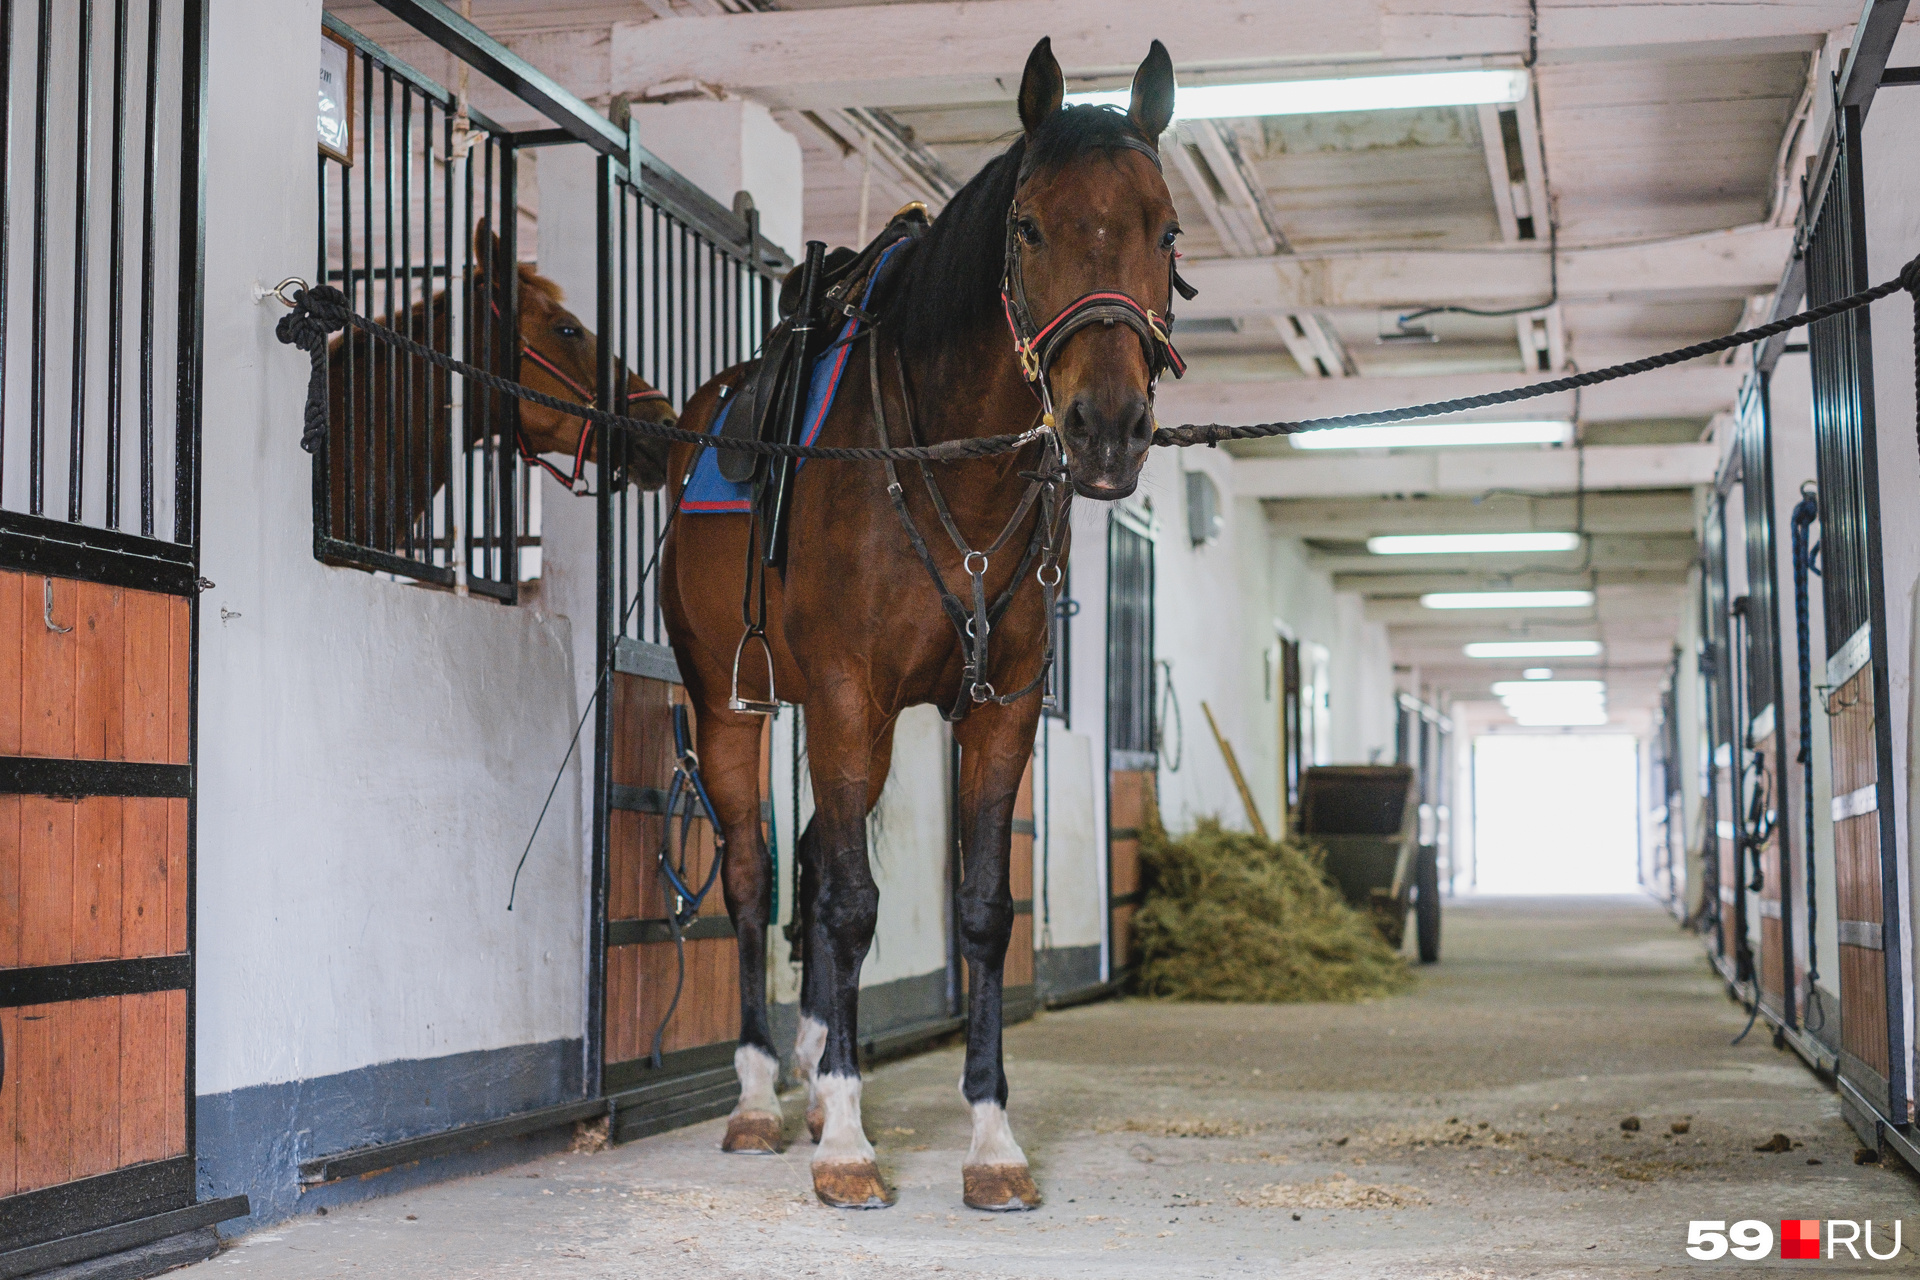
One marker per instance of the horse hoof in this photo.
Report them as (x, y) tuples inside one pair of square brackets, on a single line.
[(999, 1188), (816, 1121), (855, 1185), (753, 1133)]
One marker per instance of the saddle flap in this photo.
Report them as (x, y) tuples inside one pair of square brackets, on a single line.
[(751, 416)]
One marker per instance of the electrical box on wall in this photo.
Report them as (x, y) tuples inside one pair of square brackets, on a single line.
[(1204, 520)]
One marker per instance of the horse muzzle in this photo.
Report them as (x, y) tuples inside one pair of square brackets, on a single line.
[(1106, 438)]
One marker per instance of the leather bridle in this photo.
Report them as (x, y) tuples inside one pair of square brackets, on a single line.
[(577, 481), (1038, 346)]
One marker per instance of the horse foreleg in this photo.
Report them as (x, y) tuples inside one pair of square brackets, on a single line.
[(730, 761), (845, 909), (995, 745)]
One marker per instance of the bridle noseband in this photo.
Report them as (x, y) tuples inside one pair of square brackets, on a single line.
[(577, 481), (1037, 346)]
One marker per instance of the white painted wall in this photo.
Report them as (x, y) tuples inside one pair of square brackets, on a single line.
[(735, 145), (1893, 239), (371, 755)]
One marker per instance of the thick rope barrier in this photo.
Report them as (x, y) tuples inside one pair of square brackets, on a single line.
[(320, 312)]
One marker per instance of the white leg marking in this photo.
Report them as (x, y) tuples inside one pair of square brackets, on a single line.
[(992, 1137), (757, 1070), (842, 1140), (808, 1043)]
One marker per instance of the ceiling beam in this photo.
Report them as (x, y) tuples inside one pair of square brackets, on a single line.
[(1737, 263), (1356, 519), (948, 53), (1406, 584), (1476, 470), (1683, 391)]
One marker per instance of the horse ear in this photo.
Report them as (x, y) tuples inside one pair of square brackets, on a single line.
[(1042, 87), (1152, 106), (489, 258)]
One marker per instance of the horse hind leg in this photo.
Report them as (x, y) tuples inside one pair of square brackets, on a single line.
[(730, 756), (811, 1038)]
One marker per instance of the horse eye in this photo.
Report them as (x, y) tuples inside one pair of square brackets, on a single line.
[(568, 331), (1030, 231), (1166, 241)]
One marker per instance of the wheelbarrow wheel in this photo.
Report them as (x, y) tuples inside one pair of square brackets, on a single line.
[(1426, 904)]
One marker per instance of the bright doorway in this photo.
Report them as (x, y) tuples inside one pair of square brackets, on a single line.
[(1556, 813)]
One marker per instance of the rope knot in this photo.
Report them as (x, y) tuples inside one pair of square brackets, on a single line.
[(1910, 278), (317, 314)]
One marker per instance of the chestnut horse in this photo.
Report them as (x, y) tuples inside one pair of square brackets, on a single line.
[(1076, 221), (548, 350)]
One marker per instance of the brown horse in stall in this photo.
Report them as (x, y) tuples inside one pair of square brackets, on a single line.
[(394, 473), (1068, 239)]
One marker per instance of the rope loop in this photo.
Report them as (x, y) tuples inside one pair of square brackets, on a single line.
[(317, 314)]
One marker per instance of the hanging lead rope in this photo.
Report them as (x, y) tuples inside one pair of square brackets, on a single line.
[(1804, 514), (323, 310)]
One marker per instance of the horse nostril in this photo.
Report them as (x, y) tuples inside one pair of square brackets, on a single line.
[(1141, 426)]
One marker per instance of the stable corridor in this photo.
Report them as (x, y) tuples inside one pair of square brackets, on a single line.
[(1470, 1128)]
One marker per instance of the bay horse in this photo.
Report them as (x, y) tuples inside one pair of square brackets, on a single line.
[(394, 465), (1067, 239)]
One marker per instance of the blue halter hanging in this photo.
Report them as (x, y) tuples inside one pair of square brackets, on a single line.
[(682, 794)]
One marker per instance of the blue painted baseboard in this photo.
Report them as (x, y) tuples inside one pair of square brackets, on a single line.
[(251, 1141)]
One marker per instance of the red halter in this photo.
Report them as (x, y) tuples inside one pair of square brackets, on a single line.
[(575, 482)]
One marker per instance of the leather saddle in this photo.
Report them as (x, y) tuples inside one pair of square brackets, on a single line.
[(781, 361)]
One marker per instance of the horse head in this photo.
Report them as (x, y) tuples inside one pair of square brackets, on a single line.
[(560, 356), (1090, 255)]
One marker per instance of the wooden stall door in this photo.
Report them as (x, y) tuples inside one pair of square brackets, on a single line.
[(1857, 879), (1775, 981), (94, 924), (1727, 855), (1020, 995), (1129, 796), (695, 1078)]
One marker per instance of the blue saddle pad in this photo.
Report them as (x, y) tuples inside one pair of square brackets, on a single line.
[(710, 493)]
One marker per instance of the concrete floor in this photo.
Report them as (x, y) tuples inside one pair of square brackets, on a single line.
[(1469, 1129)]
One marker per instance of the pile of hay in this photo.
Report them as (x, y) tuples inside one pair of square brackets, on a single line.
[(1231, 917)]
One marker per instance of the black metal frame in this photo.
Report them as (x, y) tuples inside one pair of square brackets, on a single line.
[(136, 1205), (475, 489), (1853, 585), (1764, 685), (1131, 558), (686, 290), (1723, 689)]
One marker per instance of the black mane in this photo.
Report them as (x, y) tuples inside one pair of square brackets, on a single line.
[(950, 283)]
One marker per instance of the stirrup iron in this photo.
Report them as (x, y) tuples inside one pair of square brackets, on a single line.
[(750, 706)]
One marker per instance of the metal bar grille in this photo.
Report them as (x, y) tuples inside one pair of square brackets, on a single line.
[(94, 126), (1842, 411), (684, 304), (419, 476), (1129, 639)]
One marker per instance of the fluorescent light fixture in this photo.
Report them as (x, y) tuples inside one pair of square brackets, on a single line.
[(1507, 599), (1568, 719), (1537, 691), (1433, 435), (1537, 673), (1550, 703), (1437, 544), (1534, 649), (1349, 93)]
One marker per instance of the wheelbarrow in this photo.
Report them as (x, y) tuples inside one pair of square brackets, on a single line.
[(1366, 818)]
